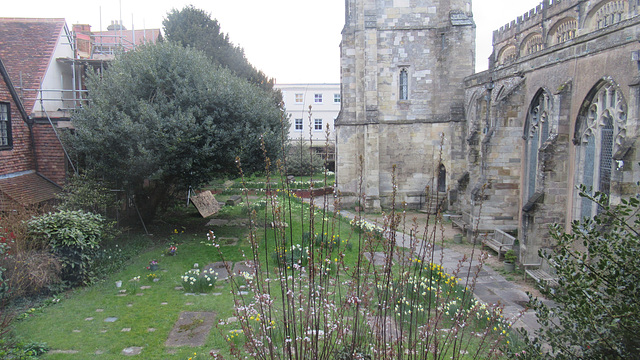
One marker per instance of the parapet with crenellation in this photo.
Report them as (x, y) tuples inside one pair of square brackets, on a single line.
[(534, 17)]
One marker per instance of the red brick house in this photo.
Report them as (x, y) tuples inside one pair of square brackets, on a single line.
[(37, 93)]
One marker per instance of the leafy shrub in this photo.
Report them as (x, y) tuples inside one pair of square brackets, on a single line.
[(194, 281), (598, 269), (84, 192), (74, 237), (302, 161), (22, 351)]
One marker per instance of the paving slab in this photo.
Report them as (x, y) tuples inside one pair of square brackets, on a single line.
[(243, 267), (133, 350), (220, 267), (191, 329), (218, 222)]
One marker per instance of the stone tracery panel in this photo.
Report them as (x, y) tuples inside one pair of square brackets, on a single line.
[(563, 31), (507, 54), (607, 14), (532, 44)]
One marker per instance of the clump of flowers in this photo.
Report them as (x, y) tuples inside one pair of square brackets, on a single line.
[(366, 226), (196, 281), (171, 251), (152, 277), (153, 264)]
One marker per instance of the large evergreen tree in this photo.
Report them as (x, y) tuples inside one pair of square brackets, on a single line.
[(192, 27), (165, 113)]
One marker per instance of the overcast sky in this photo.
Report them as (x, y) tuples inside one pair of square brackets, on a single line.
[(294, 41)]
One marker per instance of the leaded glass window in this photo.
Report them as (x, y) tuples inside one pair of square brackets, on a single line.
[(598, 132), (404, 84)]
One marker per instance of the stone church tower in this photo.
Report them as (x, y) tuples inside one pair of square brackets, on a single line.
[(402, 68)]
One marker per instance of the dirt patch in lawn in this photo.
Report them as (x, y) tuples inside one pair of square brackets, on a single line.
[(191, 329)]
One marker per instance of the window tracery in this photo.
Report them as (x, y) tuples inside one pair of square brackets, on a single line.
[(601, 131)]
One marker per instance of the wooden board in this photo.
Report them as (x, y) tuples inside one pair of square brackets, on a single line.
[(206, 203)]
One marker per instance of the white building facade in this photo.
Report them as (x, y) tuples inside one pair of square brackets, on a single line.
[(306, 124)]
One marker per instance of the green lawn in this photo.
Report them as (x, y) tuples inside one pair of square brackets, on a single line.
[(146, 316)]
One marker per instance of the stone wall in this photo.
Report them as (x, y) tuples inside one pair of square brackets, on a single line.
[(538, 184)]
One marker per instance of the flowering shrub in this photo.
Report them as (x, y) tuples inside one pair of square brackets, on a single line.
[(195, 281)]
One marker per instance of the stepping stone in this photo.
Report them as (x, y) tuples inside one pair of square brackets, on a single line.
[(216, 294), (220, 268), (111, 319), (232, 320), (242, 267), (139, 294), (63, 351), (76, 331), (191, 329), (151, 329), (99, 310), (130, 351), (227, 241), (121, 295), (88, 319), (217, 222), (99, 352), (103, 331), (129, 305), (146, 287), (189, 294), (125, 329), (242, 293), (164, 303), (178, 288), (189, 304)]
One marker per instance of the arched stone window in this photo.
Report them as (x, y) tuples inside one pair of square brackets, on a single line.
[(507, 54), (564, 30), (600, 129), (404, 84), (536, 132), (608, 13), (532, 44)]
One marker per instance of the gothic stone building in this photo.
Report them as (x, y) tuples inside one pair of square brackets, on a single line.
[(558, 107), (403, 66)]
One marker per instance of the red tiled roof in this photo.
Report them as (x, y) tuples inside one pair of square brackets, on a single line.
[(26, 48), (27, 189)]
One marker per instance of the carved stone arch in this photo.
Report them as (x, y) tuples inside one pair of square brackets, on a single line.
[(600, 130), (606, 13), (531, 44), (507, 54), (563, 30), (536, 131)]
